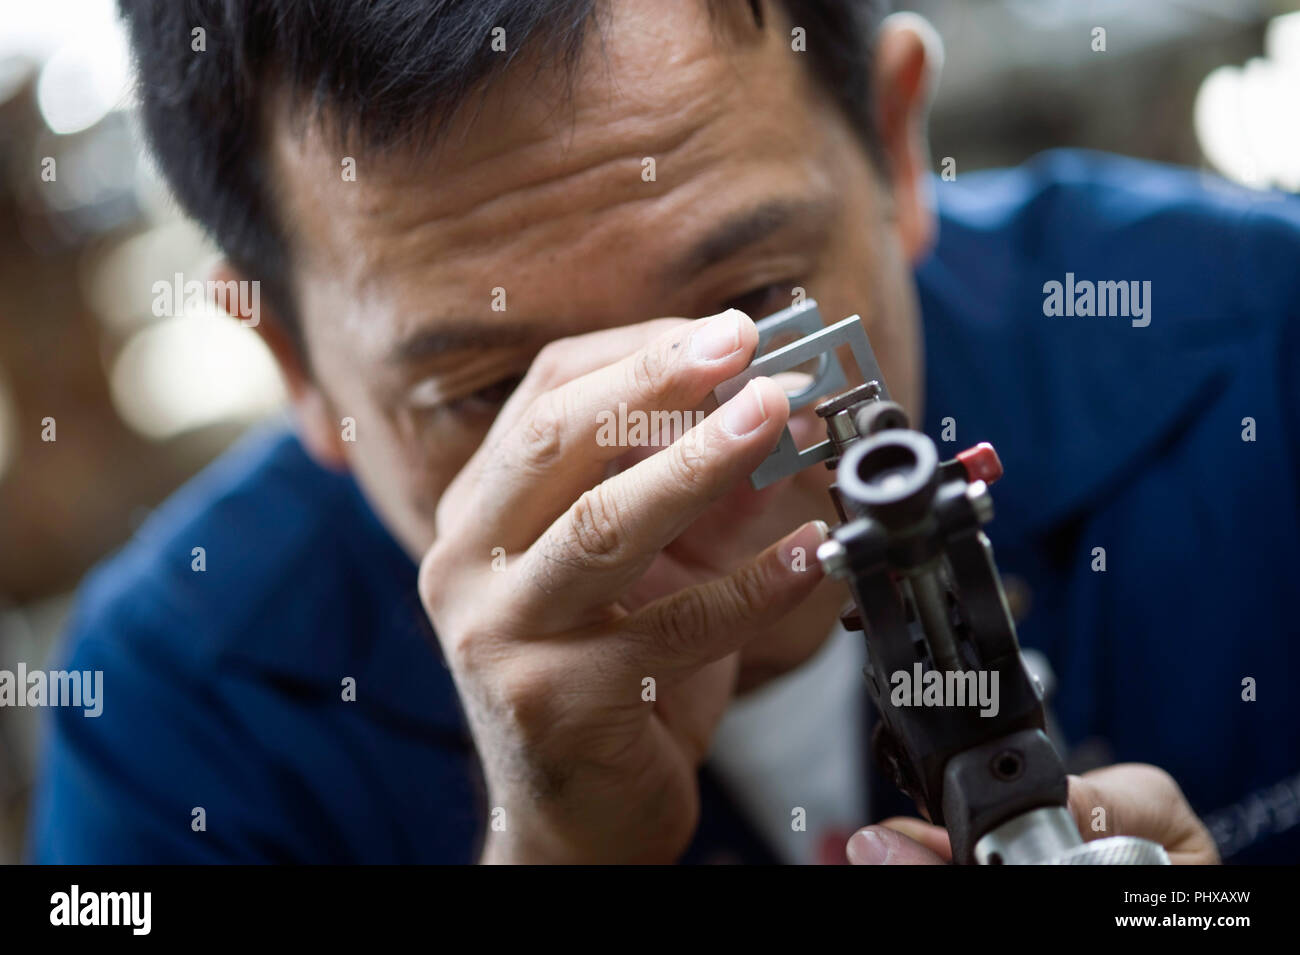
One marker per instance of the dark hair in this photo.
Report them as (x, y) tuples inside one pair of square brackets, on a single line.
[(384, 70)]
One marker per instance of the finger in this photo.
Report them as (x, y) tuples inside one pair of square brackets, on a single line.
[(567, 359), (879, 845), (563, 441), (610, 534), (1134, 799), (696, 626), (558, 363), (934, 838)]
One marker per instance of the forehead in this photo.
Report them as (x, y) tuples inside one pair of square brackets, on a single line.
[(670, 119)]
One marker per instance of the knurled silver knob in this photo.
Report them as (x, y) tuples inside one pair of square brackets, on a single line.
[(1115, 850)]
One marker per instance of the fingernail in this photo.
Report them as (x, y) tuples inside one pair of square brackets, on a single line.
[(867, 848), (718, 337), (799, 552), (744, 412)]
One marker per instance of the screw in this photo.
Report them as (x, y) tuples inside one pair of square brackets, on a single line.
[(1008, 765), (834, 558)]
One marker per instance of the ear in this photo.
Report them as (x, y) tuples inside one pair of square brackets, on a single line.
[(312, 409), (908, 60)]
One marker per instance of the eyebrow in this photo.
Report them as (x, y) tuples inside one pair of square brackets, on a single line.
[(745, 229), (462, 334)]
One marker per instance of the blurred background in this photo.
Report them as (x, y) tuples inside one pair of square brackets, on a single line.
[(139, 402)]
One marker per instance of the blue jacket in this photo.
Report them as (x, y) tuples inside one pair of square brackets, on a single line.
[(223, 689)]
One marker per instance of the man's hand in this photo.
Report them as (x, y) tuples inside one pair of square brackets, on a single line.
[(1139, 800), (591, 696)]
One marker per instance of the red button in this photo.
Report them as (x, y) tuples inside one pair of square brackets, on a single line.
[(981, 463)]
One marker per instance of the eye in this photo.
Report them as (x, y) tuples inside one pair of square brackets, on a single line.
[(761, 302), (487, 400)]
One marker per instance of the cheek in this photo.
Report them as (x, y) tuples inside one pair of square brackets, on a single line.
[(872, 279), (429, 457), (898, 330), (404, 465), (402, 461), (866, 272), (404, 500)]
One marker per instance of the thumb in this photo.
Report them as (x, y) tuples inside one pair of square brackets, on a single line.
[(880, 845)]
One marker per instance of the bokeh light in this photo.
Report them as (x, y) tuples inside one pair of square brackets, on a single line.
[(1248, 117)]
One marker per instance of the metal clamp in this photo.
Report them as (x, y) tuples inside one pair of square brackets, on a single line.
[(815, 342)]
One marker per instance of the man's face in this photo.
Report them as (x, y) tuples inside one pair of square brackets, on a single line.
[(544, 207)]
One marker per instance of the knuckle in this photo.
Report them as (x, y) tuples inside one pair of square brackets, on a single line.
[(465, 650), (688, 460), (652, 374), (595, 524), (524, 699), (1163, 780), (1163, 787), (540, 433), (683, 620), (749, 586)]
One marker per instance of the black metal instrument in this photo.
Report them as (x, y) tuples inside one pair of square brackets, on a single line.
[(961, 726)]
